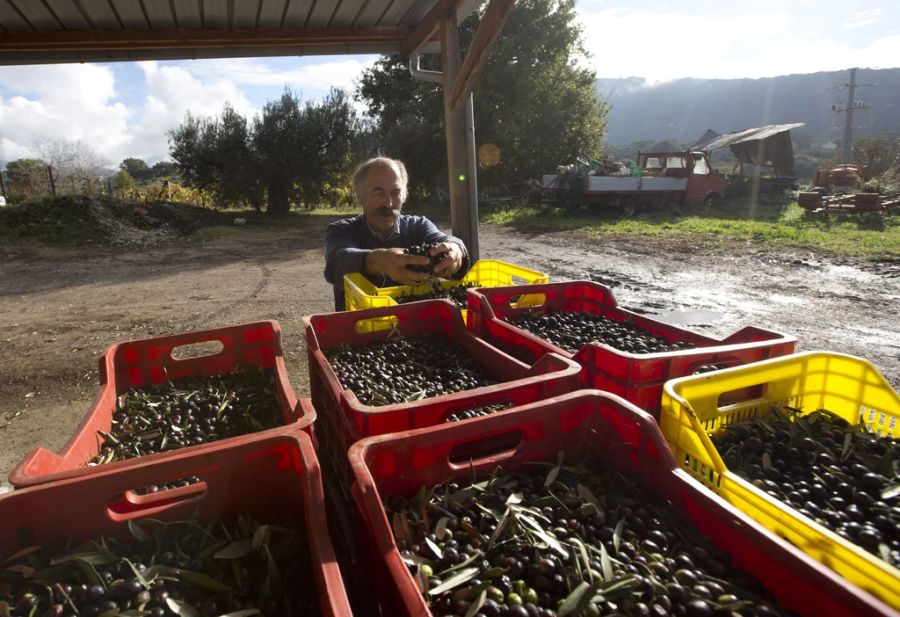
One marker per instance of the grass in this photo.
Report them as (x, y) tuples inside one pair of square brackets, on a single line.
[(774, 226)]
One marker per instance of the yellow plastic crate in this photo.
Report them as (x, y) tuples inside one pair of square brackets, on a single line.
[(360, 293), (695, 407)]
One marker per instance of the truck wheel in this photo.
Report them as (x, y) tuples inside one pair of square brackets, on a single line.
[(712, 200)]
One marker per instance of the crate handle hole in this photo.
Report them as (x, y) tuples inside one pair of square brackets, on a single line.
[(528, 300), (747, 394), (197, 350), (136, 503), (486, 450), (376, 324)]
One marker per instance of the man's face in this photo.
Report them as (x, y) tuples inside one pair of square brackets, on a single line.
[(381, 198)]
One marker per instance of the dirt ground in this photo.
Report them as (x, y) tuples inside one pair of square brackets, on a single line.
[(59, 309)]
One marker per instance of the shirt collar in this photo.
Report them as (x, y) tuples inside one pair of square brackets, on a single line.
[(395, 230)]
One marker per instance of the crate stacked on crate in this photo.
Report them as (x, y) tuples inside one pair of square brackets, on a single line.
[(636, 374), (360, 293), (249, 536), (343, 418), (142, 407), (813, 478), (509, 516)]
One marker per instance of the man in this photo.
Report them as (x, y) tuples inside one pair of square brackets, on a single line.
[(373, 242)]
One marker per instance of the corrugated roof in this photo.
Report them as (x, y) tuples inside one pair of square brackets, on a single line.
[(746, 135), (50, 31)]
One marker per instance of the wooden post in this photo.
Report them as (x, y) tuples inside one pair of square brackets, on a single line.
[(455, 122), (2, 184), (52, 183)]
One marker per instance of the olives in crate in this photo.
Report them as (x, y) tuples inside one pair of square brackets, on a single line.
[(403, 369), (842, 476), (190, 411), (424, 250), (573, 330), (456, 294), (563, 540), (188, 567)]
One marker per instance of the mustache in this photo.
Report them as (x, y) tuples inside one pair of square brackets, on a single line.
[(388, 211)]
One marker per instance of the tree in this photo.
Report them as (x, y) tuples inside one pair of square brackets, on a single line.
[(27, 177), (164, 169), (77, 168), (877, 154), (533, 102), (276, 140), (137, 169)]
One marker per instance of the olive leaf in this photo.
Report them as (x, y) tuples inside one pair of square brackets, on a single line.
[(235, 550), (475, 606), (25, 552), (441, 527), (183, 609), (261, 537), (617, 534), (203, 581), (576, 602), (463, 576), (845, 450), (549, 539), (890, 492), (247, 612), (434, 548), (767, 461), (605, 563), (136, 531)]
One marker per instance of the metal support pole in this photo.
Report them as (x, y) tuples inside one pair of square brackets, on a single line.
[(2, 185), (472, 165), (52, 183), (458, 167)]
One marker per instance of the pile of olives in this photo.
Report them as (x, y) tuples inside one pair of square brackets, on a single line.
[(402, 369), (192, 411), (456, 294), (167, 486), (164, 569), (477, 412), (565, 541), (573, 330), (843, 477), (423, 250)]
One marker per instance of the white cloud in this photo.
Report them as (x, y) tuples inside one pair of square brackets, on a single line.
[(861, 19), (312, 80), (662, 46), (71, 102), (172, 91)]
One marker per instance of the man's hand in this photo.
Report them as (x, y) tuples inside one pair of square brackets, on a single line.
[(450, 264), (392, 262)]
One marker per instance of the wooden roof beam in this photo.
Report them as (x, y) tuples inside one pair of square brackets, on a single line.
[(476, 57), (428, 27), (73, 40)]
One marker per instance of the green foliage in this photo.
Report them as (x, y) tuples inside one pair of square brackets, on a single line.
[(533, 102), (137, 169), (123, 182), (66, 221), (27, 177), (288, 154)]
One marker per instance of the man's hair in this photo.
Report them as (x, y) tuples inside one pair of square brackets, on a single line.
[(362, 172)]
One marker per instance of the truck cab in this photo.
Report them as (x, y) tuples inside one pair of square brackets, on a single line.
[(698, 181)]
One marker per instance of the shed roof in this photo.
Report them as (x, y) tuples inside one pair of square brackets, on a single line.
[(52, 31), (756, 134)]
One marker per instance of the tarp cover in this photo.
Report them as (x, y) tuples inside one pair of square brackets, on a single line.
[(763, 145)]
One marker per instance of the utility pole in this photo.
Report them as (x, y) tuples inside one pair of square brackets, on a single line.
[(852, 104)]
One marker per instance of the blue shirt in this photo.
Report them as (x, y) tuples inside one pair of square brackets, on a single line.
[(348, 241)]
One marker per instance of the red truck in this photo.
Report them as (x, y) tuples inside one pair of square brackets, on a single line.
[(658, 178)]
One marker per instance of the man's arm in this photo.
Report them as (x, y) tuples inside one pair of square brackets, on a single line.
[(342, 252), (343, 256)]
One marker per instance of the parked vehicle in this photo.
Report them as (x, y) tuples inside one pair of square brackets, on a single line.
[(658, 178)]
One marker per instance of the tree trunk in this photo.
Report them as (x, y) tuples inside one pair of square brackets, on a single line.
[(278, 202)]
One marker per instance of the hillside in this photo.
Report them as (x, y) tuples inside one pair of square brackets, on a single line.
[(683, 109)]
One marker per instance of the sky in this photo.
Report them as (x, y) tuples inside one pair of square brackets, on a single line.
[(126, 109)]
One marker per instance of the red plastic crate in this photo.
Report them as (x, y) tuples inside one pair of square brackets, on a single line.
[(638, 378), (145, 362), (582, 423), (344, 420), (273, 477)]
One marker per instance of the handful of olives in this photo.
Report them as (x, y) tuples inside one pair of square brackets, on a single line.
[(424, 250), (456, 294)]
